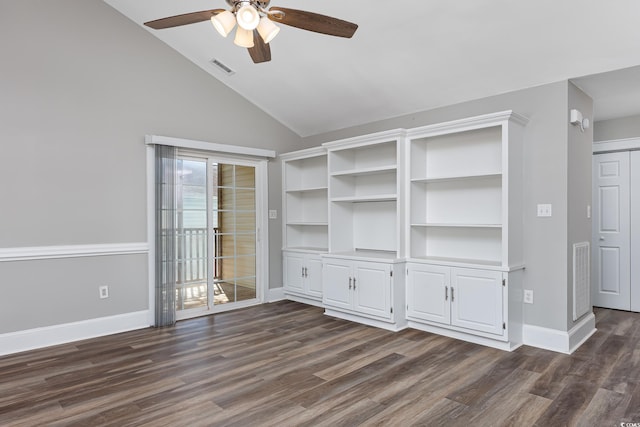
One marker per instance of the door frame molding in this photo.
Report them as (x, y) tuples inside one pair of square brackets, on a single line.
[(626, 144), (258, 156)]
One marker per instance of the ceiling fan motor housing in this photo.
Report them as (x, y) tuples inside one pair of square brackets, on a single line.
[(260, 4)]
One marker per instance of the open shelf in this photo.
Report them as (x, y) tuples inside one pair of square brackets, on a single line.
[(441, 224), (428, 180), (362, 199), (363, 159), (458, 261), (366, 171), (308, 249), (306, 207), (306, 173), (305, 200), (308, 190), (475, 243), (469, 153), (306, 236), (468, 201)]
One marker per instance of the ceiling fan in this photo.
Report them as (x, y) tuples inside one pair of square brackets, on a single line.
[(256, 26)]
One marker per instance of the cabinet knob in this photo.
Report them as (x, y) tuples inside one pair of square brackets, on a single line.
[(350, 280), (354, 283), (452, 294), (446, 293)]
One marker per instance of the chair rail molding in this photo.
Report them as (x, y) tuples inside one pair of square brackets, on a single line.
[(71, 251)]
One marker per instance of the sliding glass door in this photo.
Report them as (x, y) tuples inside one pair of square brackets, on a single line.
[(234, 231), (217, 242)]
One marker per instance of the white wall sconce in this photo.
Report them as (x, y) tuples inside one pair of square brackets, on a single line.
[(576, 119)]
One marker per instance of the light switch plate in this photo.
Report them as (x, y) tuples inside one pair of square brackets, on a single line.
[(544, 210)]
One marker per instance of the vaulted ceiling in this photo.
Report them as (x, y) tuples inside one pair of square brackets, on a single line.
[(414, 55)]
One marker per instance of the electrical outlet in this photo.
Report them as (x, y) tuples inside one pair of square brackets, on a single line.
[(544, 210), (273, 214), (528, 296), (104, 292)]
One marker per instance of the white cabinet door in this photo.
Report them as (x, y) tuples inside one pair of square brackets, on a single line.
[(428, 293), (477, 300), (611, 245), (293, 272), (313, 276), (372, 289), (337, 284)]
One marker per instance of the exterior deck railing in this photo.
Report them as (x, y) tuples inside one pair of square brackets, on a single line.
[(192, 255)]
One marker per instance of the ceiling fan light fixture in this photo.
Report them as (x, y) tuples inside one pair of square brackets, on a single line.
[(224, 22), (248, 17), (244, 38), (267, 29)]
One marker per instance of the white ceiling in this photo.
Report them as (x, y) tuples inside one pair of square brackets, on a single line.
[(414, 55)]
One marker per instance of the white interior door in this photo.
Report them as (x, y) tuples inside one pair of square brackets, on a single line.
[(611, 231), (634, 171)]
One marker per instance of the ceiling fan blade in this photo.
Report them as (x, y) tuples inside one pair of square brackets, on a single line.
[(313, 22), (185, 19), (260, 52)]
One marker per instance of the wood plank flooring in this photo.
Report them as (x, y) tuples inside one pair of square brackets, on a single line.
[(286, 364)]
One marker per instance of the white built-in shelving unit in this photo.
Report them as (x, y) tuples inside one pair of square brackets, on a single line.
[(305, 200), (364, 194), (305, 222), (465, 229), (362, 272), (465, 192), (420, 228)]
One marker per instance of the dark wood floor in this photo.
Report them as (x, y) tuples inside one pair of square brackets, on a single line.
[(286, 364)]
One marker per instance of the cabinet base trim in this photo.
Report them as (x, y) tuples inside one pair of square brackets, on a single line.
[(394, 327), (501, 345), (303, 300), (560, 341)]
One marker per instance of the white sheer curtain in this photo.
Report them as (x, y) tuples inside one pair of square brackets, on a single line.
[(166, 221)]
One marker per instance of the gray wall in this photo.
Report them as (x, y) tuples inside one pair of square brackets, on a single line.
[(546, 181), (620, 128), (81, 85), (579, 184)]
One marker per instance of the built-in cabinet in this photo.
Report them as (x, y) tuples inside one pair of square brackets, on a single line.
[(305, 223), (424, 227), (302, 275), (468, 300), (358, 286), (464, 227), (365, 230)]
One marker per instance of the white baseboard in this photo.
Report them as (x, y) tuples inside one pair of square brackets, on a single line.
[(15, 342), (275, 294), (560, 341)]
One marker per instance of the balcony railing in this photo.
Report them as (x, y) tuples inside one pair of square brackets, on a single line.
[(191, 254)]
